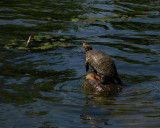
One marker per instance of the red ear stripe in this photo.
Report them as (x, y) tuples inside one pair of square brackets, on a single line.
[(88, 45)]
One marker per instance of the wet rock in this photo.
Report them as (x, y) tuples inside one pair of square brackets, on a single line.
[(93, 85)]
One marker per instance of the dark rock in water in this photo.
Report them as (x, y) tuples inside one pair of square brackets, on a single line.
[(92, 84)]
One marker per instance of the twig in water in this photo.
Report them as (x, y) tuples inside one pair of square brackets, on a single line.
[(28, 42)]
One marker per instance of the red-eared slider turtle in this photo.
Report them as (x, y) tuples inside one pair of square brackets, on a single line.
[(102, 64)]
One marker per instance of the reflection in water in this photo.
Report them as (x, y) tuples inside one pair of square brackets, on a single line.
[(43, 89)]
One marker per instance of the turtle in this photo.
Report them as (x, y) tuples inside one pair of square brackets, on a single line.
[(102, 64)]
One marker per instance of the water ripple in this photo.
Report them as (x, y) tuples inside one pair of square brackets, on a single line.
[(43, 89)]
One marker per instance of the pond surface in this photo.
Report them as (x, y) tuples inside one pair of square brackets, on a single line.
[(43, 89)]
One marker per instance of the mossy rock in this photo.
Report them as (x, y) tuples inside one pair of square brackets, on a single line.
[(93, 85)]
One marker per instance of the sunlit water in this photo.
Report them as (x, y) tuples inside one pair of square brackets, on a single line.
[(43, 89)]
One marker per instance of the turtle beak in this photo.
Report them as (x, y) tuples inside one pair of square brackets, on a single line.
[(84, 46)]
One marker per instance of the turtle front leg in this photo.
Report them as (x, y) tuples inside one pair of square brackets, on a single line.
[(87, 66)]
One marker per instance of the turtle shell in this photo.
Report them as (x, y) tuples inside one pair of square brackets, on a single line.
[(101, 62)]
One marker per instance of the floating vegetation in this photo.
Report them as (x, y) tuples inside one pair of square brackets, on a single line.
[(48, 19), (75, 19), (40, 43), (107, 18)]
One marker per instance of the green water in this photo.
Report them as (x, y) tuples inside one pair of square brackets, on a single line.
[(42, 89)]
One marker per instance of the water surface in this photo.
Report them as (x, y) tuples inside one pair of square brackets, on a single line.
[(43, 89)]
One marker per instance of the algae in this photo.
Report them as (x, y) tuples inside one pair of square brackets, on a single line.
[(106, 18), (74, 19), (40, 43)]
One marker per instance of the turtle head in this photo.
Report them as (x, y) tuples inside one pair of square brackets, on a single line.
[(87, 47)]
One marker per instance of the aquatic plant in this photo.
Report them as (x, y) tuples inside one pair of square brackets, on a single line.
[(113, 18), (40, 43)]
